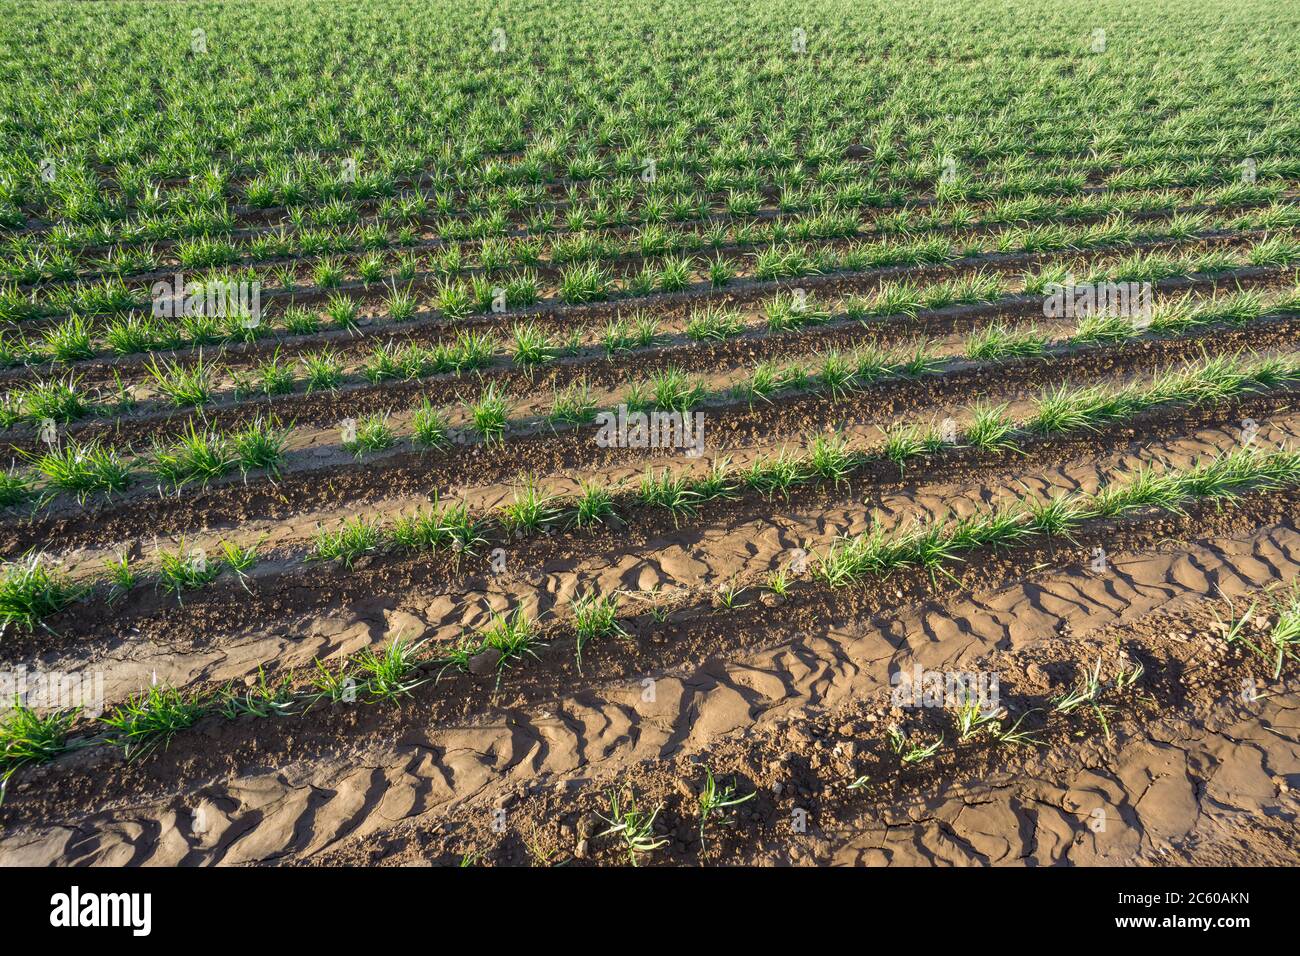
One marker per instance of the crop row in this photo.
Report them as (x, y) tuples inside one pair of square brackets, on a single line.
[(150, 719)]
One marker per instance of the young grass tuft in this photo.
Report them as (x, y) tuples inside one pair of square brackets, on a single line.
[(671, 491), (198, 455), (997, 341), (373, 433), (31, 591), (185, 569), (324, 370), (512, 635), (830, 459), (991, 429), (714, 802), (353, 538), (675, 391), (430, 426), (262, 699), (714, 324), (490, 414), (573, 405), (150, 719), (84, 469), (594, 505), (259, 444), (633, 827), (27, 737), (529, 511), (393, 672), (15, 488), (184, 385), (594, 616)]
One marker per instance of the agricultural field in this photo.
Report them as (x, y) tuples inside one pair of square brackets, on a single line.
[(818, 432)]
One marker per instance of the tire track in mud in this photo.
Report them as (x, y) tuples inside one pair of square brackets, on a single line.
[(1193, 772), (739, 546), (1174, 793), (252, 813)]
